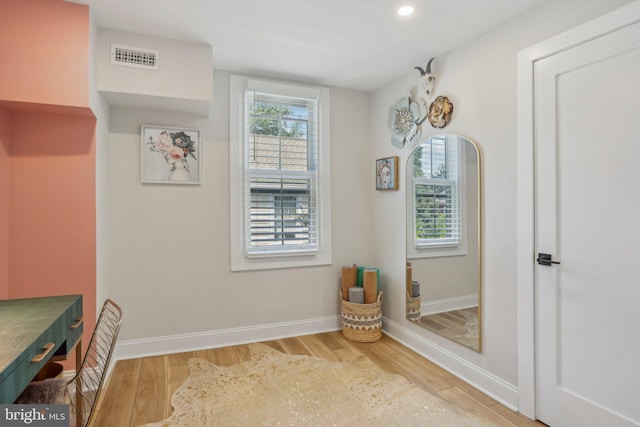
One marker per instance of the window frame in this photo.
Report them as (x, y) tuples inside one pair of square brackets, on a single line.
[(241, 257), (437, 248)]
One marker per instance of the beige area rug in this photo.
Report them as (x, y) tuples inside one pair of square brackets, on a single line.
[(275, 389)]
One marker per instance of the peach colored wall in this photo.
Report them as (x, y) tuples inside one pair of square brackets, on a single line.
[(52, 215), (47, 173), (45, 52), (4, 204)]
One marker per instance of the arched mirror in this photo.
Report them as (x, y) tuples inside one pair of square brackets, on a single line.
[(444, 258)]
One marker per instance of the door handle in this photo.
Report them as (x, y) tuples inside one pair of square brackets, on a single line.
[(545, 259)]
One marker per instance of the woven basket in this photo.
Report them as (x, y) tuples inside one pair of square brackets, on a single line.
[(414, 308), (362, 322)]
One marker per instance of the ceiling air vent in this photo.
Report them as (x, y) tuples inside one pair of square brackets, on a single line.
[(136, 57)]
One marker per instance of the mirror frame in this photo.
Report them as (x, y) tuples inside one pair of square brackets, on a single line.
[(408, 193)]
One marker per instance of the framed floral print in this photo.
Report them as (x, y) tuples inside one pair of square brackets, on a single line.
[(170, 155), (387, 173)]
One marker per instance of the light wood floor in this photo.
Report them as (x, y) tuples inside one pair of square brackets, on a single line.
[(451, 324), (139, 390)]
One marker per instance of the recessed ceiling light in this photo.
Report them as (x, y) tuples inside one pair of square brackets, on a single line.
[(405, 10)]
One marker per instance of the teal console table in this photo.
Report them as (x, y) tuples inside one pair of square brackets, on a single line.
[(32, 332)]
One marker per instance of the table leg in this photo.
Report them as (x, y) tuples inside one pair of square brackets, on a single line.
[(79, 408)]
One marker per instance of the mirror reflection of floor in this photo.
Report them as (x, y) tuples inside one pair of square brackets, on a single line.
[(460, 326)]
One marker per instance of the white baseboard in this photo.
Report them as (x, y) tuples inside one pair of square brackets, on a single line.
[(69, 374), (130, 349), (449, 304), (485, 381)]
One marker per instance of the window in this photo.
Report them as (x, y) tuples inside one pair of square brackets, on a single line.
[(280, 213), (437, 208)]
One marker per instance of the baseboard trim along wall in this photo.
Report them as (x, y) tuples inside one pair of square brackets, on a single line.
[(130, 349), (449, 304), (86, 384), (485, 381), (502, 391)]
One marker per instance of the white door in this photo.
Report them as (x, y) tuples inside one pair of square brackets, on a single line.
[(587, 216)]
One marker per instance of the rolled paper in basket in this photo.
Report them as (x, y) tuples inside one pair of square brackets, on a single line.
[(349, 277), (359, 276), (409, 277), (356, 295), (370, 286), (415, 289)]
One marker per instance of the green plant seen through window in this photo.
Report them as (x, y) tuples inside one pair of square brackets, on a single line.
[(274, 120), (431, 221), (431, 216)]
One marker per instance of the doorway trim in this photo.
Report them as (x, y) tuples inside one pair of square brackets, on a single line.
[(605, 24)]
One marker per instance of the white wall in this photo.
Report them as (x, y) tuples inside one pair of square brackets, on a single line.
[(182, 81), (480, 79), (169, 245)]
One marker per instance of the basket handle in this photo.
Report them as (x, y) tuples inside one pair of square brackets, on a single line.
[(379, 296)]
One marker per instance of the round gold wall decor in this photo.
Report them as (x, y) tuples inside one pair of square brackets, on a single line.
[(440, 112)]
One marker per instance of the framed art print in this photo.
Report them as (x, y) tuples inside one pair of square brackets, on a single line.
[(170, 155), (387, 173)]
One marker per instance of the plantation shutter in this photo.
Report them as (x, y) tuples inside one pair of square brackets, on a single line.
[(281, 174), (437, 212)]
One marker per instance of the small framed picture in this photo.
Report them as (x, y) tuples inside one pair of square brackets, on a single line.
[(170, 155), (387, 173)]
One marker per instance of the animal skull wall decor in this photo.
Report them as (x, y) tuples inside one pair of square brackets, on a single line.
[(427, 79)]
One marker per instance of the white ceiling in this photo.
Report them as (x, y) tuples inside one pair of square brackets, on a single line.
[(358, 44)]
